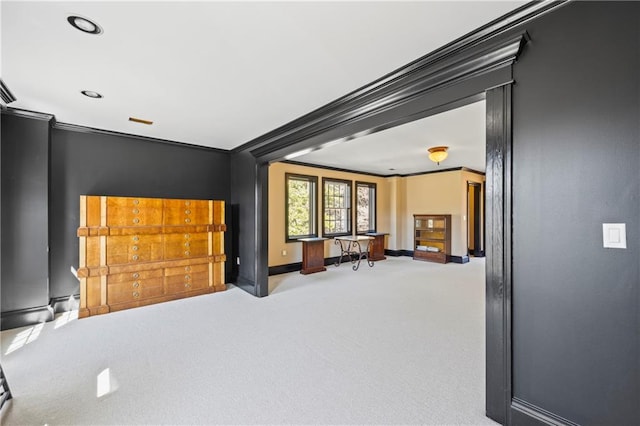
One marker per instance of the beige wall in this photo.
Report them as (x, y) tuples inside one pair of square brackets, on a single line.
[(436, 193), (397, 212), (439, 193), (399, 198), (277, 209)]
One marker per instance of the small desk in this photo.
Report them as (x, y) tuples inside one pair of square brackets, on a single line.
[(312, 255), (377, 246), (350, 246)]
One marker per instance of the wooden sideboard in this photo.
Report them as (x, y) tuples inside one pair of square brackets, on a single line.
[(377, 246), (312, 255), (138, 251)]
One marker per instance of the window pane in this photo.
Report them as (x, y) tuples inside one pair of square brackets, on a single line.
[(337, 207), (301, 209), (366, 207)]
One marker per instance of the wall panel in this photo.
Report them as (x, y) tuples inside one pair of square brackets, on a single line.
[(106, 164), (576, 152), (25, 179)]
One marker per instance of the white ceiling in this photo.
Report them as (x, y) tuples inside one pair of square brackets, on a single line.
[(220, 74), (404, 148)]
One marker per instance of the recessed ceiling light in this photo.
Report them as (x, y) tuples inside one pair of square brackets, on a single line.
[(84, 24), (140, 120), (91, 94)]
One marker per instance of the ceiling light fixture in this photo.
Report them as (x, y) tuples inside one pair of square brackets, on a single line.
[(83, 24), (140, 120), (91, 94), (438, 153)]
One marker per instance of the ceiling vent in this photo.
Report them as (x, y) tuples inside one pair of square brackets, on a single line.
[(5, 93), (140, 120)]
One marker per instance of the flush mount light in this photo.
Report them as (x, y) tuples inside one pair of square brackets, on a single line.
[(91, 94), (84, 24), (438, 153), (140, 120)]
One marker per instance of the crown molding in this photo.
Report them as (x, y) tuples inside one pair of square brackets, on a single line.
[(475, 53), (24, 113), (451, 169), (91, 130), (357, 172), (335, 169), (5, 93), (392, 92)]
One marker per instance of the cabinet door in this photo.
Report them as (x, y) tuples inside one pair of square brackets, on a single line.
[(187, 282), (187, 245), (134, 248), (130, 211), (186, 212), (135, 290), (187, 278)]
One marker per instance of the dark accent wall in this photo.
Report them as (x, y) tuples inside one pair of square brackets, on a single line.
[(110, 164), (249, 183), (25, 179), (576, 158)]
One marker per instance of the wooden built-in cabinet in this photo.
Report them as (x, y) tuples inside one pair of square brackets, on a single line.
[(432, 237), (138, 251)]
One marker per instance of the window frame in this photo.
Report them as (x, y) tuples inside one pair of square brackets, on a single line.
[(374, 186), (313, 211), (349, 230)]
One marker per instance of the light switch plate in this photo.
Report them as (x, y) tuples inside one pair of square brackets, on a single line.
[(614, 235)]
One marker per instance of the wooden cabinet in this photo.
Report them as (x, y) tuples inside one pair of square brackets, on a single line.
[(376, 251), (312, 255), (138, 251), (432, 237)]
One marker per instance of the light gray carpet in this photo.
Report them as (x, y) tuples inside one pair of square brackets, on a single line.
[(399, 343)]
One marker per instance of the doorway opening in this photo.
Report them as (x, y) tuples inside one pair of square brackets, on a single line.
[(446, 79), (475, 219)]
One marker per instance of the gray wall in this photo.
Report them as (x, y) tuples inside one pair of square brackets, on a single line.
[(44, 172), (250, 182), (576, 160), (24, 258), (103, 164)]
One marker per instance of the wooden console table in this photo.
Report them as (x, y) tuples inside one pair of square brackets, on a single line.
[(312, 255), (377, 245), (351, 247)]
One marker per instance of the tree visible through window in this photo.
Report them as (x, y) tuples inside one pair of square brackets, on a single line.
[(301, 206), (336, 208), (366, 207)]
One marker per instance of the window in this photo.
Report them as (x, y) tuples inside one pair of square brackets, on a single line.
[(365, 207), (336, 207), (301, 211)]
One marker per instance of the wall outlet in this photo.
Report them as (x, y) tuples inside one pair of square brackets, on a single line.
[(284, 252)]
